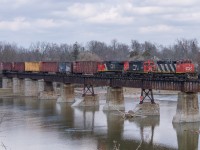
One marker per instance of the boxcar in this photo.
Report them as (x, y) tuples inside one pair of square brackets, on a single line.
[(85, 67), (32, 66), (18, 66), (65, 67), (49, 67)]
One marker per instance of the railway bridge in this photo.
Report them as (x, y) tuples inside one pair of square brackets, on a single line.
[(36, 84)]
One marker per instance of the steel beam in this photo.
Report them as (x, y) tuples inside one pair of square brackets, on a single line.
[(134, 82)]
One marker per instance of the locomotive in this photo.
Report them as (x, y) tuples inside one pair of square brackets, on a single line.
[(159, 69), (149, 68)]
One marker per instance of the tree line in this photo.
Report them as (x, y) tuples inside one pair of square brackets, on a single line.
[(97, 50)]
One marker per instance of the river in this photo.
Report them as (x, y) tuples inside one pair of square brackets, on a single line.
[(32, 124)]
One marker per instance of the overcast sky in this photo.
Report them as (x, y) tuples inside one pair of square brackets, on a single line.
[(68, 21)]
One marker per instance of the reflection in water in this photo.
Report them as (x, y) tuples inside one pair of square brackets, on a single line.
[(147, 122), (115, 125), (187, 135), (66, 115), (45, 124)]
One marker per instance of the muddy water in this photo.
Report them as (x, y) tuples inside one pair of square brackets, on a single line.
[(31, 124)]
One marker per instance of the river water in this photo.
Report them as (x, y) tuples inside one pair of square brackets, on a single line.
[(31, 124)]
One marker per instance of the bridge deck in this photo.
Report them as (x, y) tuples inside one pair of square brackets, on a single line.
[(145, 83)]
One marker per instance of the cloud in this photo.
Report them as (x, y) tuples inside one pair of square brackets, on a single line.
[(15, 3), (159, 29), (83, 10), (97, 13), (190, 17), (102, 20), (21, 23), (49, 23), (111, 16), (169, 2), (15, 25)]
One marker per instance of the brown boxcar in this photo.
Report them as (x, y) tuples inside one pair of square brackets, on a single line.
[(49, 67), (85, 67), (6, 66), (32, 66), (18, 66)]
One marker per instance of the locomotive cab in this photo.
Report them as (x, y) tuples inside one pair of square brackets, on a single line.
[(185, 66), (149, 66)]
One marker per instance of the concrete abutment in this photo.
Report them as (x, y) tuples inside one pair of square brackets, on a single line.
[(66, 93), (90, 100), (6, 83), (114, 99), (18, 86), (187, 108), (6, 89), (30, 87), (46, 90)]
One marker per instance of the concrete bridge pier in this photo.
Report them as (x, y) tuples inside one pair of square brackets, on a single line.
[(114, 99), (187, 108), (18, 86), (56, 87), (30, 87), (46, 90), (66, 93), (40, 85), (6, 89), (89, 96), (90, 100), (6, 83)]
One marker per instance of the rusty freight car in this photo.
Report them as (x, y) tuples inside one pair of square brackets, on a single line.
[(18, 66), (85, 67), (6, 66), (49, 67)]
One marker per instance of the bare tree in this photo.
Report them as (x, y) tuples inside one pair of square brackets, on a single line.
[(135, 48)]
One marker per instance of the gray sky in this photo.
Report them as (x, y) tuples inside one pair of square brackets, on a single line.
[(160, 21)]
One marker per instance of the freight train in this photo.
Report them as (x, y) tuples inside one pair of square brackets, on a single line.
[(149, 68)]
